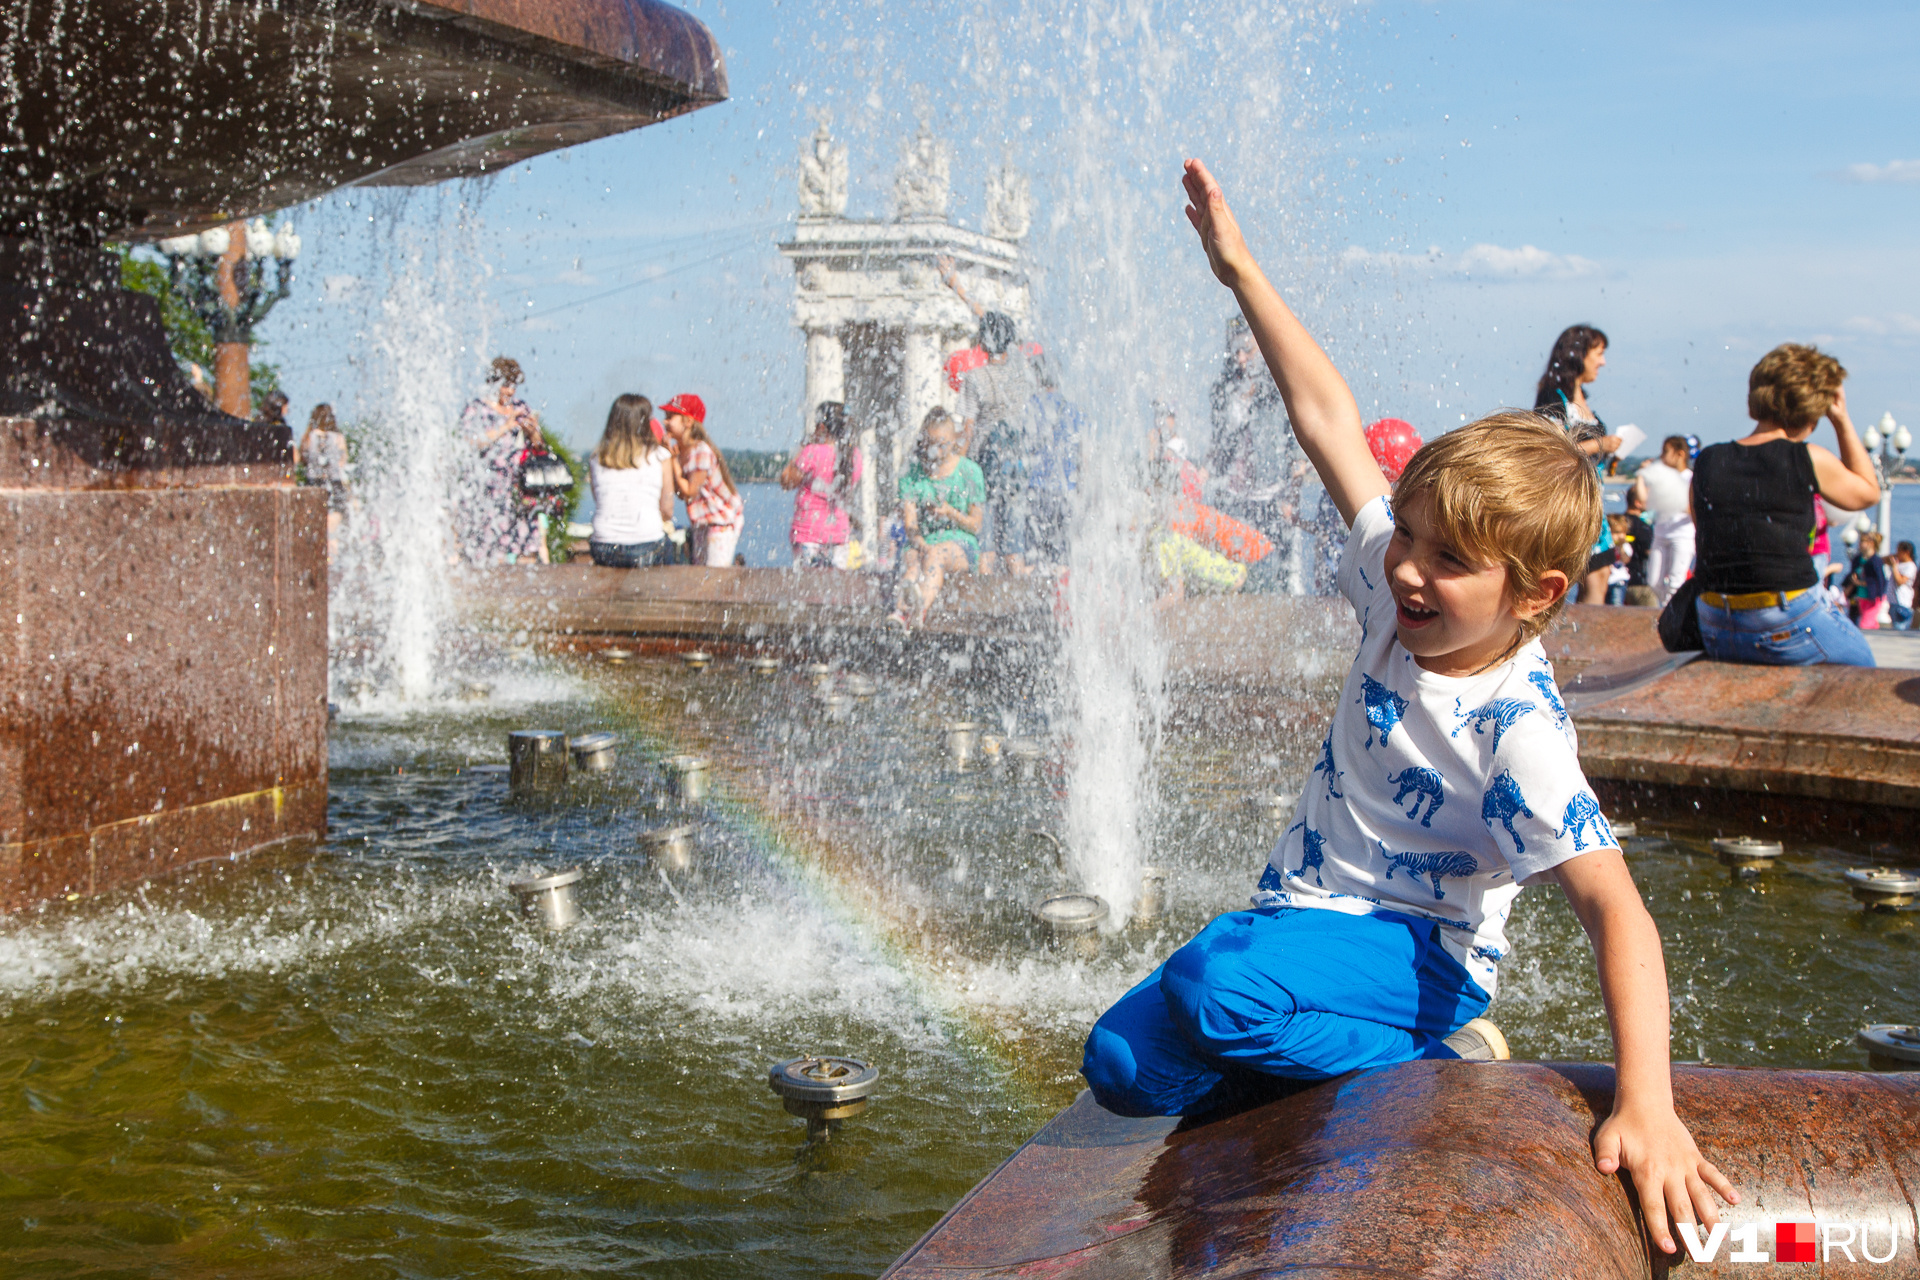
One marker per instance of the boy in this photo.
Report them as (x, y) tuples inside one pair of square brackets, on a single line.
[(1448, 778)]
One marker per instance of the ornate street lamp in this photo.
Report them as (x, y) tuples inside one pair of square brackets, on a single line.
[(222, 274), (1888, 443)]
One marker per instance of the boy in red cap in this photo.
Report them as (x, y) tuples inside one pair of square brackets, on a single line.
[(714, 508)]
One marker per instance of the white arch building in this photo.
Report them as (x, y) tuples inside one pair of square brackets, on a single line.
[(879, 324)]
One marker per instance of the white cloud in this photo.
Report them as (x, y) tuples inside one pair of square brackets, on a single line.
[(339, 288), (1482, 261), (574, 275), (1891, 171), (540, 324), (1897, 324)]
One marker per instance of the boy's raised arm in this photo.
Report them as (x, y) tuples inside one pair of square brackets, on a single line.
[(1644, 1135), (1326, 420)]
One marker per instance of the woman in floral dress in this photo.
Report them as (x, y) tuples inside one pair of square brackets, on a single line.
[(496, 523)]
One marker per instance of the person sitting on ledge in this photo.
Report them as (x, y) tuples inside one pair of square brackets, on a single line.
[(1753, 516), (943, 503), (1448, 779), (631, 471)]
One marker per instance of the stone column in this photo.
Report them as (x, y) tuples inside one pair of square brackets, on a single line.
[(826, 370), (869, 505), (919, 386)]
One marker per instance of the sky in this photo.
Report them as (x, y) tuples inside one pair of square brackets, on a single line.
[(1438, 190)]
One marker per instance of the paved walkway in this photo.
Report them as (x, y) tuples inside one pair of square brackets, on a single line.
[(1900, 649)]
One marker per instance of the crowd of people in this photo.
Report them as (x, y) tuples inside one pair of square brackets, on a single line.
[(1733, 541)]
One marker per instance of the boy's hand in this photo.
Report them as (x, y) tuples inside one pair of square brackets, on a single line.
[(1668, 1171), (1227, 251)]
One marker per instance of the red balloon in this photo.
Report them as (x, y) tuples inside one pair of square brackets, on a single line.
[(1393, 443)]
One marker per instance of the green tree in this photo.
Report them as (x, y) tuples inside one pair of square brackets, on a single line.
[(564, 506)]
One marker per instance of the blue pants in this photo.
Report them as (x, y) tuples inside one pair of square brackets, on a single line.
[(629, 555), (1299, 993), (1808, 631)]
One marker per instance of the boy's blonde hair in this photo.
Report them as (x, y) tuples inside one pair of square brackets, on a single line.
[(1793, 385), (1511, 489)]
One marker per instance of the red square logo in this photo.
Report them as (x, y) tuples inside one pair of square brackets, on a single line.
[(1793, 1242)]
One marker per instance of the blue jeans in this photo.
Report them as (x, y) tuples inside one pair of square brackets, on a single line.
[(1807, 631), (630, 555), (1299, 993)]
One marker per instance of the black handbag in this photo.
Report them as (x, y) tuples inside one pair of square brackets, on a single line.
[(1679, 624), (543, 475)]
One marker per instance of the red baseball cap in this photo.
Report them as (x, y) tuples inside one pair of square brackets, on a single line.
[(1393, 443), (691, 405), (963, 362)]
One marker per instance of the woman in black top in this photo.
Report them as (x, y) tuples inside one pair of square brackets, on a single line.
[(1578, 355), (1753, 516)]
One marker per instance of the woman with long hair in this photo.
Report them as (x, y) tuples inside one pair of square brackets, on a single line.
[(704, 483), (497, 525), (323, 455), (827, 469), (1578, 355), (632, 477)]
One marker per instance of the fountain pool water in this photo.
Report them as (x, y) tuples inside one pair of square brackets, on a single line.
[(359, 1059)]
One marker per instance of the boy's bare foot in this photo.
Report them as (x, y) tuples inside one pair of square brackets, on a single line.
[(1479, 1041)]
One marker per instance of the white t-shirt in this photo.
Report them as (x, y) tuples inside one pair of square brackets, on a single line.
[(1436, 796), (1903, 579), (1667, 492), (626, 500)]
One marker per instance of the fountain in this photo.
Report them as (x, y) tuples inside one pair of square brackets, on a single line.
[(209, 117), (357, 1060)]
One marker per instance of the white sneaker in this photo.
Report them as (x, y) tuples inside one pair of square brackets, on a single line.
[(1479, 1041)]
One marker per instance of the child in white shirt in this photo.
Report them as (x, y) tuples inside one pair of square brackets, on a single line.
[(1449, 778)]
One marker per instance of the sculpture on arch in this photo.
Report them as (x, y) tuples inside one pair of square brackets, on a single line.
[(921, 184), (823, 176), (1009, 203)]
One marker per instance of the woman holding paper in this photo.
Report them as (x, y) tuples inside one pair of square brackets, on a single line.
[(1579, 353)]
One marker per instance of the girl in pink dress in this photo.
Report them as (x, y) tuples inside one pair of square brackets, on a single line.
[(825, 471)]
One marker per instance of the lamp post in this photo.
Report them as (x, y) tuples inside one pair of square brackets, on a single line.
[(222, 275), (1887, 443)]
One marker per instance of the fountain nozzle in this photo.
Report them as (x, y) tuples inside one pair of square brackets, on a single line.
[(1884, 888), (1072, 921), (549, 899), (1747, 855), (686, 776), (537, 760), (823, 1091)]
